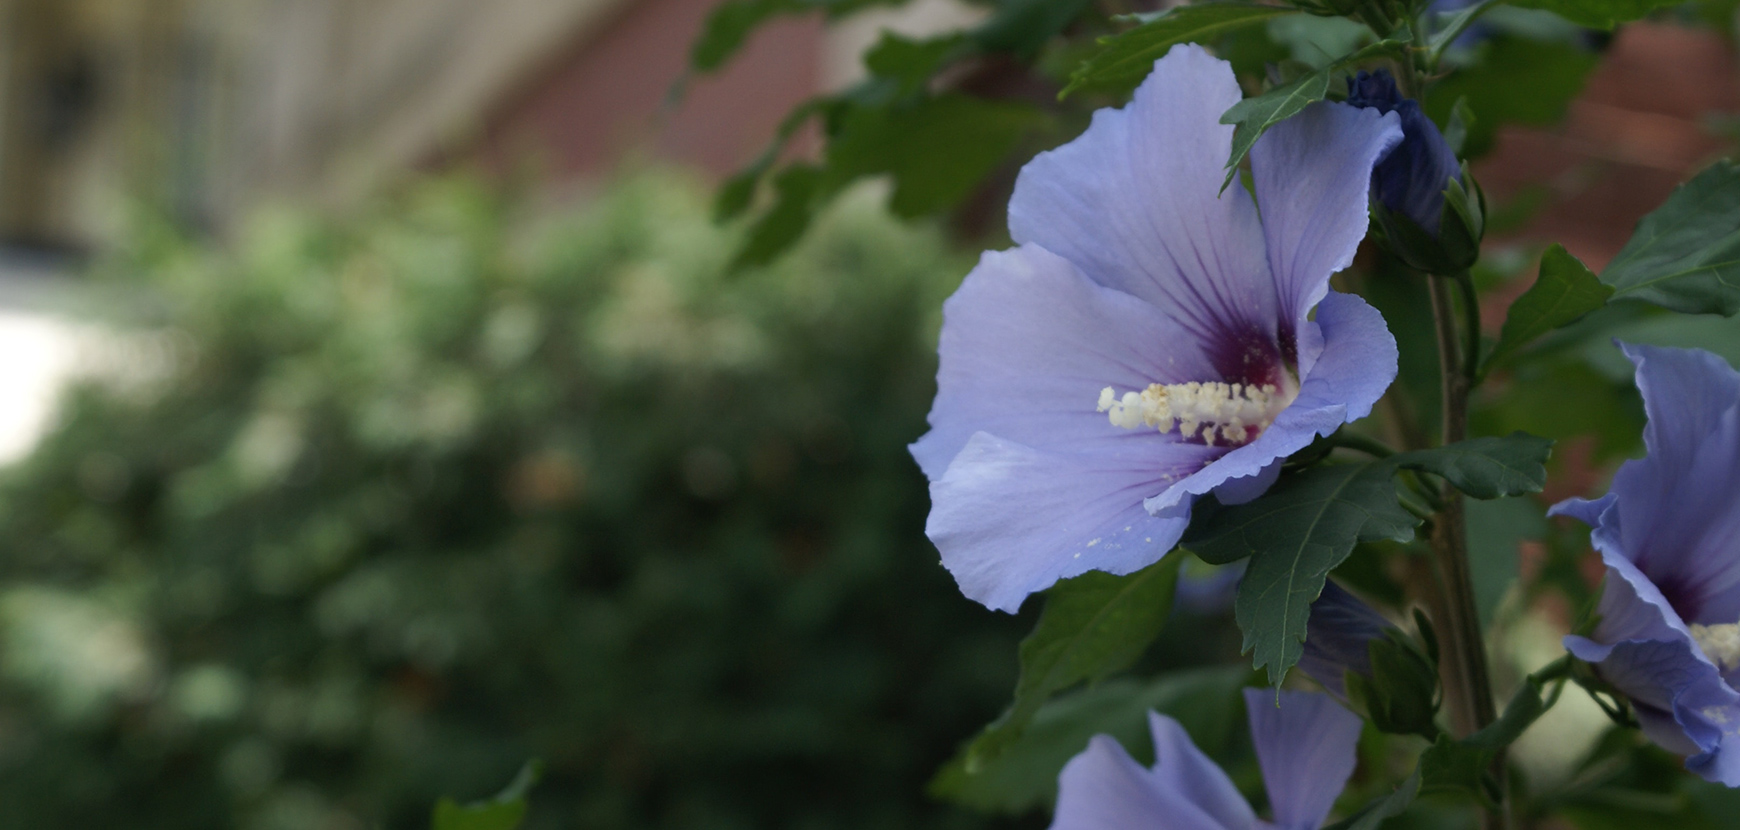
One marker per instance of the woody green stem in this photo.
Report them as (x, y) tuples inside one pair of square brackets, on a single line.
[(1464, 673)]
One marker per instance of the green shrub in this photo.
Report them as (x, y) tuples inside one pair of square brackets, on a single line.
[(380, 507)]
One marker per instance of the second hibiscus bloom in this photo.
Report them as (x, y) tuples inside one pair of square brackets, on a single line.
[(1668, 531)]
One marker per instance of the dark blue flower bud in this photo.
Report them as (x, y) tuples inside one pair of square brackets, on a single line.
[(1410, 180), (1360, 658), (1338, 636)]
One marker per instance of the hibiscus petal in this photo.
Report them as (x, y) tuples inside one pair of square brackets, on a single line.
[(1685, 393), (1241, 490), (1587, 511), (1720, 765), (1191, 778), (1650, 672), (1027, 344), (1356, 365), (1312, 174), (1103, 788), (1633, 608), (1305, 747), (1136, 203), (1678, 508), (1710, 570), (1653, 674), (1708, 709), (1011, 519)]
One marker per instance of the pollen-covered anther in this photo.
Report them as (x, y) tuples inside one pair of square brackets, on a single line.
[(1721, 643), (1222, 413)]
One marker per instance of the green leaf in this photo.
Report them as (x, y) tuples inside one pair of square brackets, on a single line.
[(1372, 815), (1451, 764), (1129, 56), (910, 64), (1294, 535), (503, 812), (1328, 502), (1205, 701), (1685, 255), (1598, 14), (1254, 116), (1455, 24), (800, 192), (1456, 131), (1093, 626), (1564, 292), (736, 194), (490, 816), (936, 149), (1022, 27), (1316, 41), (1400, 696), (1486, 468), (731, 23)]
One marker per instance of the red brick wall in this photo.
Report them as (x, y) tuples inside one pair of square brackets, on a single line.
[(605, 99), (1638, 129)]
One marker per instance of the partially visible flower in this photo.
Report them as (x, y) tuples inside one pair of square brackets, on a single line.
[(1669, 532), (1358, 656), (1305, 747), (1151, 340), (1338, 638), (1411, 179)]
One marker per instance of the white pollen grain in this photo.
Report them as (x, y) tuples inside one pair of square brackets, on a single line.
[(1721, 643), (1222, 413)]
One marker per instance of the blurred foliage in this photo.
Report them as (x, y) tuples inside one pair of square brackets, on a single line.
[(949, 117), (506, 811), (373, 509)]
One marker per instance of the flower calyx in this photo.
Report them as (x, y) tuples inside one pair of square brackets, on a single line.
[(1456, 245), (1400, 694)]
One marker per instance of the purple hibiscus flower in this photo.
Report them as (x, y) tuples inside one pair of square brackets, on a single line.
[(1669, 532), (1305, 748), (1149, 340)]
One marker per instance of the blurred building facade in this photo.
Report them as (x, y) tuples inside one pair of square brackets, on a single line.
[(207, 107)]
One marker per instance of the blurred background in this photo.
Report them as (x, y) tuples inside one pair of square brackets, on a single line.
[(378, 412)]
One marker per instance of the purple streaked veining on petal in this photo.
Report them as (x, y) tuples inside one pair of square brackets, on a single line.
[(1149, 340), (1668, 531)]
